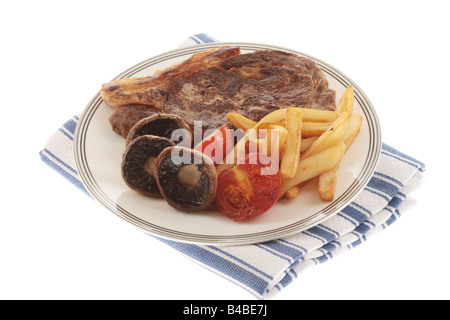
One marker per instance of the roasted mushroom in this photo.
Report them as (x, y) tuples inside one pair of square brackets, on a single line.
[(138, 163), (169, 126), (186, 178)]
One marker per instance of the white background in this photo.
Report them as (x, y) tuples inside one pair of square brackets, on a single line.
[(56, 243)]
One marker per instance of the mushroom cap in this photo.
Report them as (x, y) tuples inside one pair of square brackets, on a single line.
[(169, 126), (179, 194), (138, 163)]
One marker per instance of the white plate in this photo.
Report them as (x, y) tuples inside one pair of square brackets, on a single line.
[(98, 153)]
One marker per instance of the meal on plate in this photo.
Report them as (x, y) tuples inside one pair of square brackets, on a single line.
[(230, 130)]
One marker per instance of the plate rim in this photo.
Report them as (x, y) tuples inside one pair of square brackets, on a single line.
[(325, 213)]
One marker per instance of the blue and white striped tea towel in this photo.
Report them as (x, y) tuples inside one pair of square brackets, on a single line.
[(264, 269)]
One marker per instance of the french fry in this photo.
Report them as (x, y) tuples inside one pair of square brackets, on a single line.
[(241, 147), (311, 143), (327, 183), (264, 146), (347, 101), (263, 129), (293, 192), (314, 129), (240, 122), (291, 148), (308, 115), (277, 116), (330, 137), (257, 145), (307, 143), (314, 115), (314, 165), (266, 137), (353, 127), (328, 179), (315, 122), (275, 136)]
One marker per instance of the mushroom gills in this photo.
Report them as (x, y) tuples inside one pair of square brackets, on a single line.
[(138, 164), (168, 126)]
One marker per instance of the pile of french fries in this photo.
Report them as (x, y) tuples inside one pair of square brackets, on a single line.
[(310, 143)]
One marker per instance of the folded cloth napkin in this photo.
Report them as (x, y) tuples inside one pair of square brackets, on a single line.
[(263, 269)]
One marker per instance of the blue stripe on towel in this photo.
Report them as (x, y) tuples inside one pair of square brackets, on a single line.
[(323, 234), (362, 209), (241, 261), (354, 215), (393, 217), (400, 154), (381, 184), (303, 249), (65, 133), (284, 249), (330, 246), (286, 280), (205, 38), (395, 202), (323, 258), (314, 236), (388, 178), (222, 265), (363, 228), (196, 41), (62, 163), (57, 167), (273, 252), (70, 126)]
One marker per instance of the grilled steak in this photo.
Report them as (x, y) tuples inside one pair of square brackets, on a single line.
[(152, 90), (208, 96), (252, 84), (125, 117), (252, 63)]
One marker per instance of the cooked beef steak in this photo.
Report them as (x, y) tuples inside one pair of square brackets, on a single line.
[(209, 95), (152, 90), (125, 117), (252, 84), (206, 96), (250, 63)]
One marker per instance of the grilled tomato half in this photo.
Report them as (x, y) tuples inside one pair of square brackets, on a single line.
[(250, 188)]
